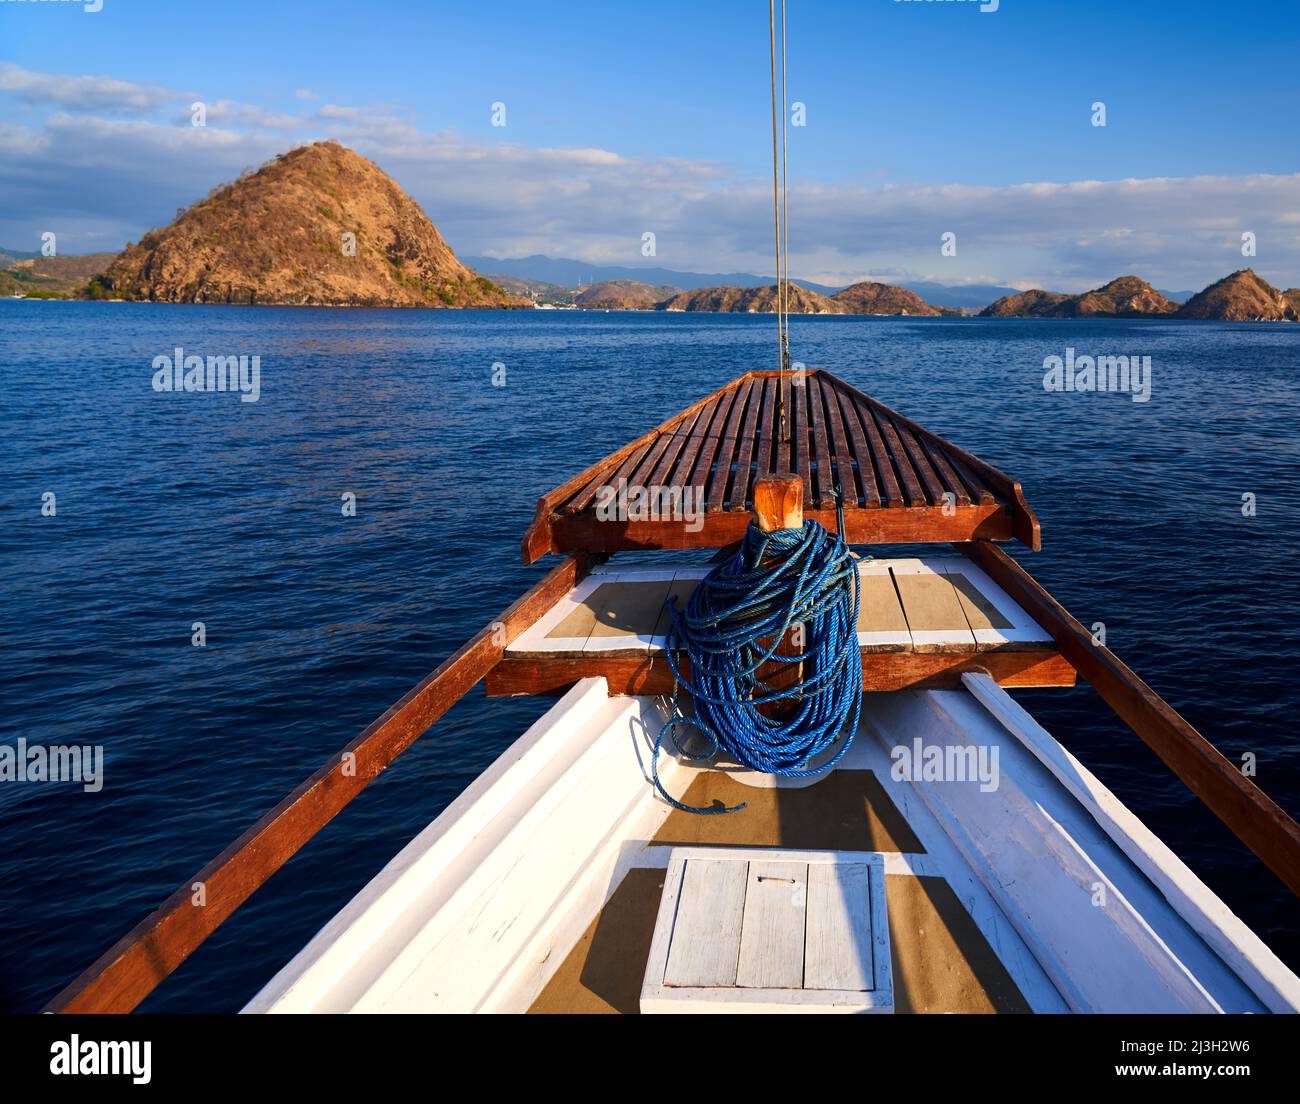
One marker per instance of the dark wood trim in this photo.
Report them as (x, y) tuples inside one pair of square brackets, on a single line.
[(552, 531), (537, 673), (886, 525), (130, 970), (1244, 808), (1024, 521), (537, 539)]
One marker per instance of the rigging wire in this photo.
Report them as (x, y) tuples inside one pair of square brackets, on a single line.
[(781, 212)]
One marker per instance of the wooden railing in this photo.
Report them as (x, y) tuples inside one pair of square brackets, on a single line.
[(1243, 807), (134, 966)]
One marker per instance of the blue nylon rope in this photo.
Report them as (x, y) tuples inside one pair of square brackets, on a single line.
[(732, 626)]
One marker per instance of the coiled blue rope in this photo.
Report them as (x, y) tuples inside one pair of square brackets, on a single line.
[(735, 620)]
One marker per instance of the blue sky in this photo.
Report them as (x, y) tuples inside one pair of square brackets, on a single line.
[(922, 117)]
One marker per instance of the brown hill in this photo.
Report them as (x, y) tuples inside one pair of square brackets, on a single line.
[(869, 297), (623, 295), (1027, 304), (751, 301), (1292, 296), (1125, 297), (72, 270), (1242, 297), (277, 236), (52, 277)]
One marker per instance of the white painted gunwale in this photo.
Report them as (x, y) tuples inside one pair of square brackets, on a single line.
[(477, 912)]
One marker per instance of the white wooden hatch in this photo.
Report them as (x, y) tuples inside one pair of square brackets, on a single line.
[(759, 930)]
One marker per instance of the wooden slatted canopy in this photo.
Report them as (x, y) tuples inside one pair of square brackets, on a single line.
[(901, 483)]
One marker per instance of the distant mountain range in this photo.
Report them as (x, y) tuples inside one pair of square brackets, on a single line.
[(538, 272), (570, 273), (1244, 296), (566, 272), (320, 225)]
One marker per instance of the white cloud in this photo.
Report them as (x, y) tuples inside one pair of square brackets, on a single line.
[(82, 93), (492, 196)]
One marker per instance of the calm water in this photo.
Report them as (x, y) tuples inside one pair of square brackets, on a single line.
[(173, 509)]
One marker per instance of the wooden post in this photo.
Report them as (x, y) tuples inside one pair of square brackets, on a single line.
[(778, 504)]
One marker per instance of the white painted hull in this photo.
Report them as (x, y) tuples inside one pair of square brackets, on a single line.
[(1084, 908)]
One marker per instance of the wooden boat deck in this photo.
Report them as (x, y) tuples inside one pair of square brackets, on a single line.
[(922, 622), (900, 482)]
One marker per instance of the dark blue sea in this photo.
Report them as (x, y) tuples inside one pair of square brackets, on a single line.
[(179, 508)]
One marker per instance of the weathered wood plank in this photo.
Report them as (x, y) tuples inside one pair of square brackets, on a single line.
[(838, 947), (706, 932), (933, 610), (738, 499), (801, 459), (772, 931), (700, 473), (890, 488)]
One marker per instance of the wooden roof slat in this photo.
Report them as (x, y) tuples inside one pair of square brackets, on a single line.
[(857, 438), (679, 439), (722, 470), (847, 477), (934, 486), (700, 471), (893, 473), (946, 471), (739, 496), (801, 458), (907, 476), (765, 456), (817, 414)]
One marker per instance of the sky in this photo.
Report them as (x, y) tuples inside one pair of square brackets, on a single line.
[(922, 118)]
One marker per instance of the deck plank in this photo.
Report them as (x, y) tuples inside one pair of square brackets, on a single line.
[(934, 614), (930, 480), (772, 930), (706, 934), (892, 492), (838, 940), (882, 625), (678, 440), (911, 482)]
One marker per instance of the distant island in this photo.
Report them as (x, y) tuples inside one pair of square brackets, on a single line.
[(321, 225)]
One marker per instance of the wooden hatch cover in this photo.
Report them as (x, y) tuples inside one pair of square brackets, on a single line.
[(689, 482)]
